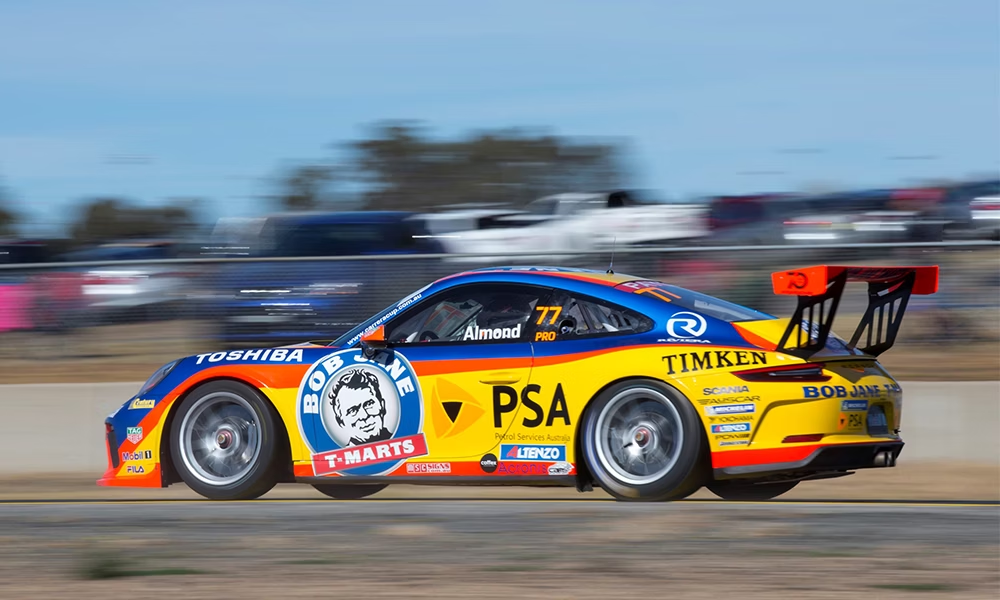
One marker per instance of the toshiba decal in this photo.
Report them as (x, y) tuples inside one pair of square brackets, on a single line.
[(360, 417)]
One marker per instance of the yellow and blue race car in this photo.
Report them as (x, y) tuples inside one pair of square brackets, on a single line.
[(539, 376)]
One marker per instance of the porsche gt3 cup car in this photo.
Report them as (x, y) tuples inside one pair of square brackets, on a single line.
[(539, 376)]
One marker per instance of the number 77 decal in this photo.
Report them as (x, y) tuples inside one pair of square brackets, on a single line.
[(545, 311)]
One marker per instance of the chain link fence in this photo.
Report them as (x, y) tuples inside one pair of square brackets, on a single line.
[(119, 320)]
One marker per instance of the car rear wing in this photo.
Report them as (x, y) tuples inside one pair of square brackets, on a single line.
[(819, 289)]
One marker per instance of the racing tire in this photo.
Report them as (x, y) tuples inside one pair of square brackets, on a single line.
[(349, 492), (224, 442), (749, 492), (643, 441)]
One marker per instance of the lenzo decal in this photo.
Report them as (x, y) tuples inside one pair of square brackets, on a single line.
[(532, 452), (731, 427)]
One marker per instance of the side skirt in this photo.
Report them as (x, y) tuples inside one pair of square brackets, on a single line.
[(506, 480)]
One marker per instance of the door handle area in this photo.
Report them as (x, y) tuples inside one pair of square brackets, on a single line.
[(500, 378)]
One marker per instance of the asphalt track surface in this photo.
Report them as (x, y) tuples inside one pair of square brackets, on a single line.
[(529, 547)]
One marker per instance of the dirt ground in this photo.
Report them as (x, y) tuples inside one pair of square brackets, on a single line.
[(907, 481), (520, 549)]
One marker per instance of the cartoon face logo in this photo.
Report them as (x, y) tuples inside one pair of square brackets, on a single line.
[(360, 417), (358, 406)]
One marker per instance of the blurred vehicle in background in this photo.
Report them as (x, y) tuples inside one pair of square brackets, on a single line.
[(971, 211), (850, 218), (92, 295), (564, 224), (290, 300), (453, 222), (751, 219)]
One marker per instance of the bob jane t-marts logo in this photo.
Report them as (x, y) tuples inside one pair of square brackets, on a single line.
[(360, 417)]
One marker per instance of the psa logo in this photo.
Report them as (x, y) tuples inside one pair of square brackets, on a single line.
[(527, 452), (557, 407), (730, 427), (141, 403)]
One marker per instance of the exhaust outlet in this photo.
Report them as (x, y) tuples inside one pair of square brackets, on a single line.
[(884, 459)]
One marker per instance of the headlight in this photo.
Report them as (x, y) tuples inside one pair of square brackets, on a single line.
[(157, 377)]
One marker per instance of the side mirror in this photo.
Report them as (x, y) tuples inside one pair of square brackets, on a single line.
[(373, 343)]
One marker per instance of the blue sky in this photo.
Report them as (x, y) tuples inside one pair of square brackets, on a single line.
[(220, 95)]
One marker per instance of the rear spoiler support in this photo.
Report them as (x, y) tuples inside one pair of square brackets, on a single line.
[(819, 290)]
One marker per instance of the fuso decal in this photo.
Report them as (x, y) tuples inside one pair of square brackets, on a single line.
[(360, 417)]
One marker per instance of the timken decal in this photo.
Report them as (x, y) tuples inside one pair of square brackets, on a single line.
[(691, 362)]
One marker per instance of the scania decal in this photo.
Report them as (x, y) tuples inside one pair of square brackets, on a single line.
[(692, 362), (534, 453), (473, 332), (727, 389), (730, 427), (260, 355), (505, 400), (360, 417), (730, 409)]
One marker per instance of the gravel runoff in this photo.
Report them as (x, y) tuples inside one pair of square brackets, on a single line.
[(497, 549)]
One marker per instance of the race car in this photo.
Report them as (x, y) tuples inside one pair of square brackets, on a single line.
[(539, 376)]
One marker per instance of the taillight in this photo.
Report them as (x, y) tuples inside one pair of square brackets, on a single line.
[(798, 439), (812, 372)]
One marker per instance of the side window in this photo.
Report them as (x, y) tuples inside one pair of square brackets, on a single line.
[(471, 314), (572, 317)]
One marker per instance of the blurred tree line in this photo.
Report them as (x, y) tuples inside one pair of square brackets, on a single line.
[(399, 166), (395, 165)]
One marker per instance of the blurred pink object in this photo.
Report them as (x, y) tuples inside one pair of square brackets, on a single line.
[(15, 304)]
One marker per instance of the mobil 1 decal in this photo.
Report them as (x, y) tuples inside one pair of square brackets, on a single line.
[(360, 417)]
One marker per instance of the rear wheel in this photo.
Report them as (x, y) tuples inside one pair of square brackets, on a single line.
[(735, 489), (223, 442), (643, 441), (349, 492)]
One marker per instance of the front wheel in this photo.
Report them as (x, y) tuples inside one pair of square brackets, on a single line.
[(349, 492), (735, 489), (223, 442), (643, 441)]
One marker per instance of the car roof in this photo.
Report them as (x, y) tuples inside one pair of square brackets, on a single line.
[(539, 274)]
